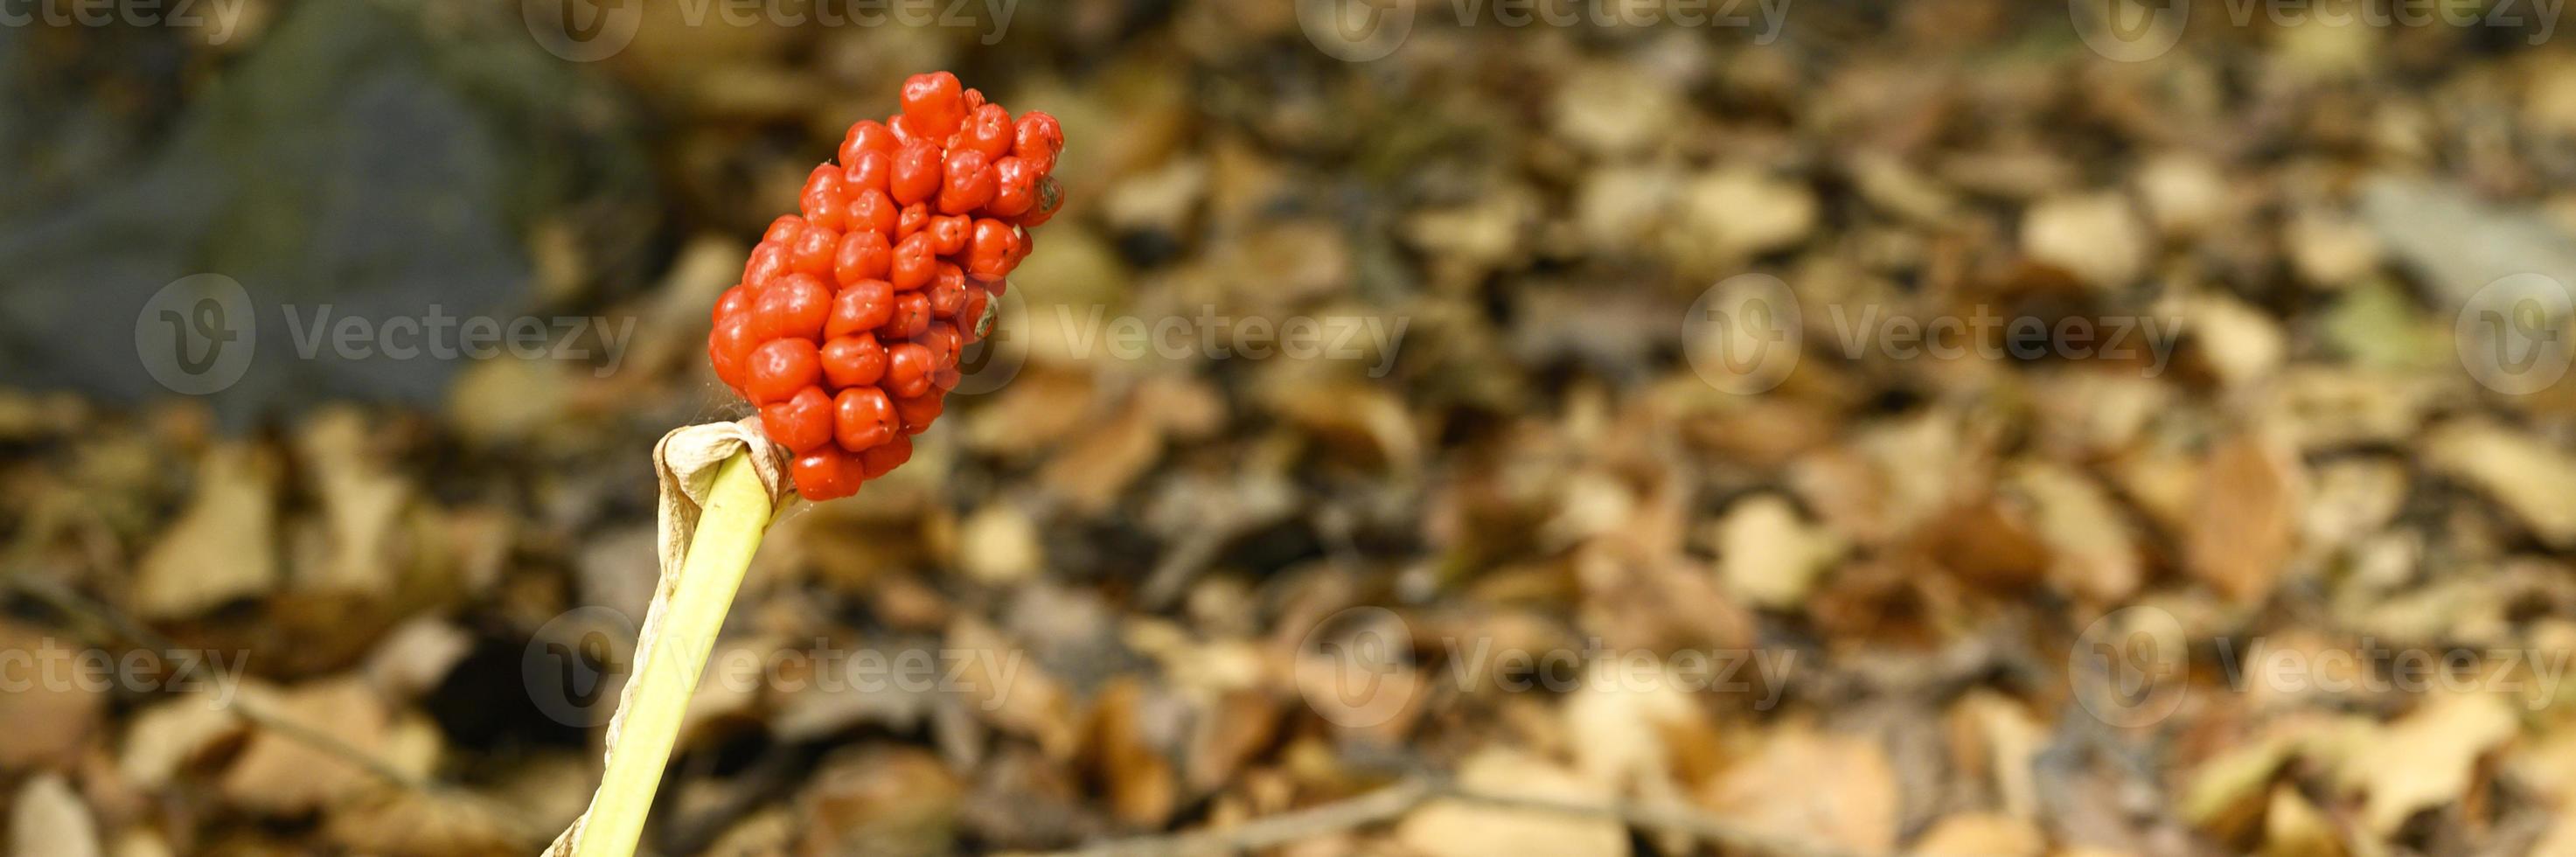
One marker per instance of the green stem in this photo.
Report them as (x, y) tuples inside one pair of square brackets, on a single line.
[(669, 661)]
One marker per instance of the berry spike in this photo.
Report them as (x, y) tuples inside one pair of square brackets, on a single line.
[(852, 310)]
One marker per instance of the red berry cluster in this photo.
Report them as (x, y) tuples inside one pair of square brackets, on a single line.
[(846, 326)]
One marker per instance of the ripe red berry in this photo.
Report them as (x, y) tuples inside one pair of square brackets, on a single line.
[(911, 317), (917, 412), (991, 254), (908, 368), (1037, 140), (1015, 187), (783, 229), (873, 211), (811, 252), (863, 256), (768, 261), (931, 102), (853, 361), (866, 135), (885, 457), (734, 300), (736, 335), (917, 172), (943, 340), (968, 183), (971, 321), (801, 423), (826, 200), (948, 235), (1050, 197), (913, 262), (796, 305), (910, 220), (872, 171), (947, 292), (779, 368), (826, 474), (862, 306), (989, 130), (863, 417)]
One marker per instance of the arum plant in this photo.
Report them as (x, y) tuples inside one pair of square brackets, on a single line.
[(844, 333)]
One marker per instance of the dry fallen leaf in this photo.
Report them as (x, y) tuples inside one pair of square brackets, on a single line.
[(2246, 525), (364, 499), (48, 819), (1768, 556), (998, 544), (2293, 827), (224, 546), (165, 736), (2092, 553), (1812, 786), (2096, 237), (280, 775), (1981, 835), (2532, 478), (880, 800), (1138, 780), (1448, 828), (2426, 758), (55, 703)]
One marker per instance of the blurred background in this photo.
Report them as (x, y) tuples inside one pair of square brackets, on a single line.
[(1437, 427)]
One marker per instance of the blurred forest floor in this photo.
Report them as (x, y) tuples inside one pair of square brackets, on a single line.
[(2286, 578)]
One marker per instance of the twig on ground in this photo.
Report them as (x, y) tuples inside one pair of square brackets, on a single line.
[(1391, 802)]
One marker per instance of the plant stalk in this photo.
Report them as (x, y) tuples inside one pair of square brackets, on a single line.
[(670, 656)]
